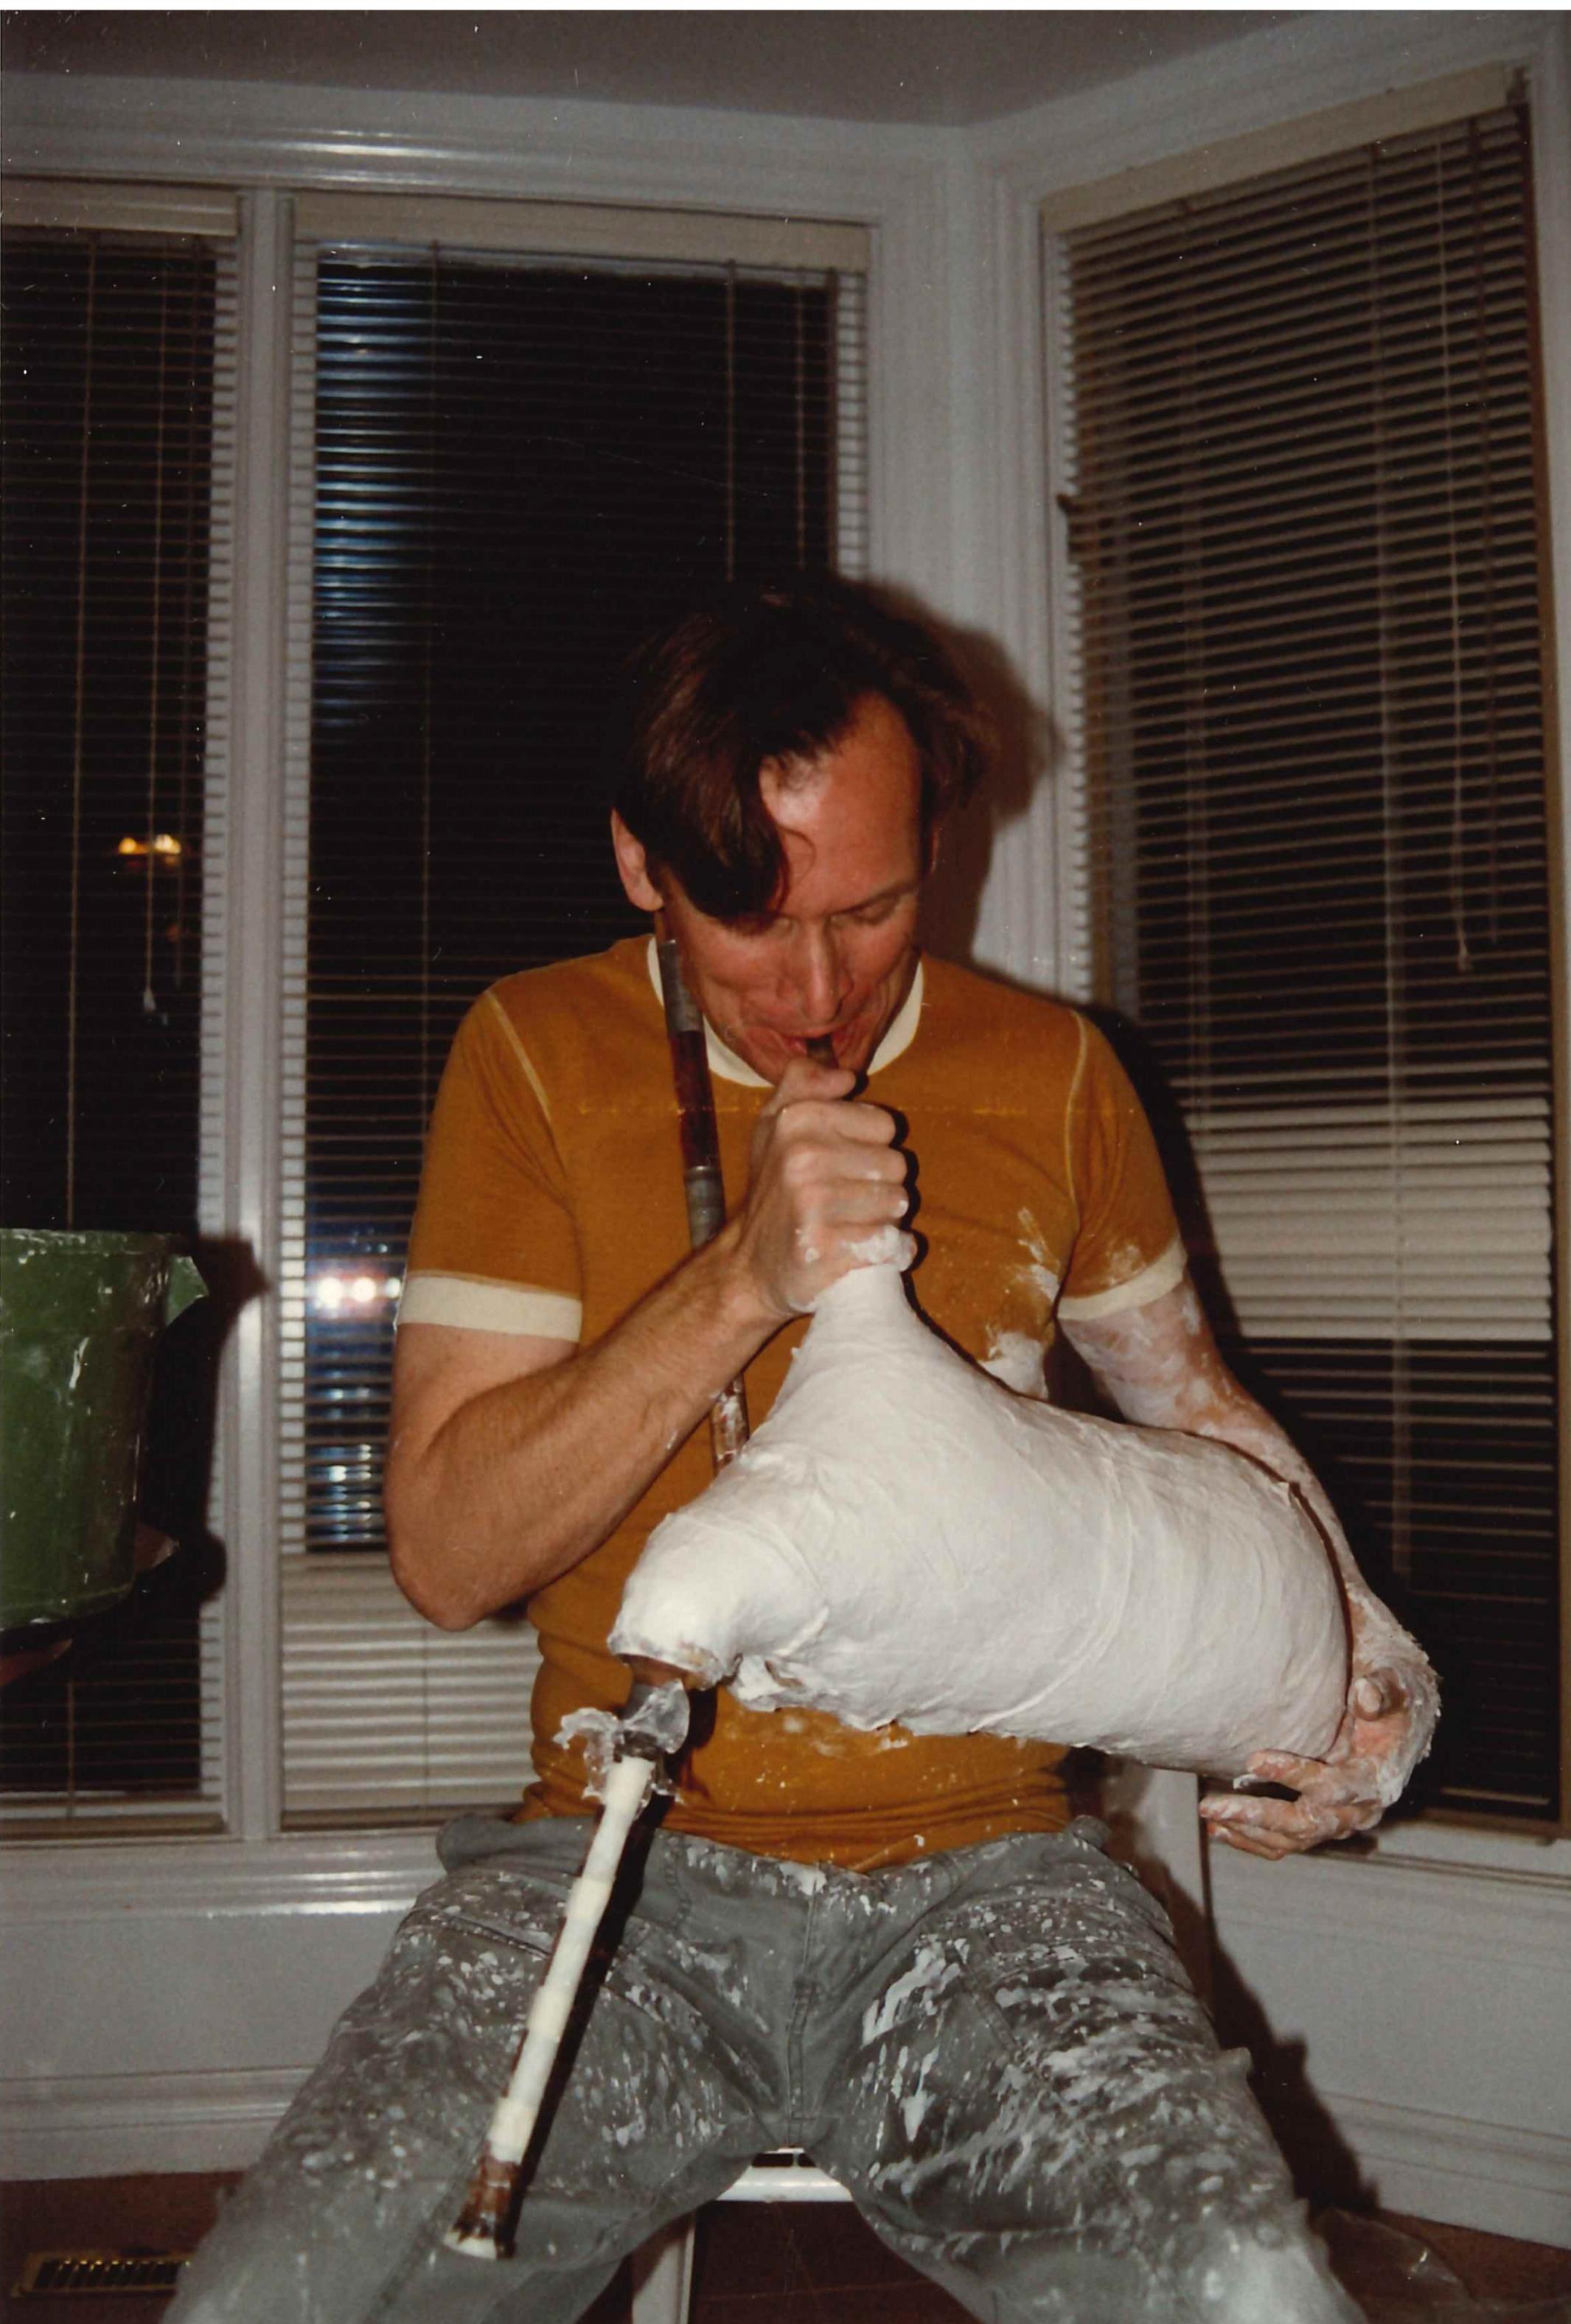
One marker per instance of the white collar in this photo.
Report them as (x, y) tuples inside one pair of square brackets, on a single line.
[(725, 1062)]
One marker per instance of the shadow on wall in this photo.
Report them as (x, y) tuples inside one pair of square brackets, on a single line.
[(1324, 2167), (1022, 753)]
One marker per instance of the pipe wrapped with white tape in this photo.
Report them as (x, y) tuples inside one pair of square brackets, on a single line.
[(483, 2226), (905, 1540)]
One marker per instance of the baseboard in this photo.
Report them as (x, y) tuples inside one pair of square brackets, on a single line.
[(130, 2123), (1470, 2174)]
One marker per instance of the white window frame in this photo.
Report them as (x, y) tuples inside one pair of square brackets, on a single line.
[(74, 206), (1395, 114), (479, 176), (298, 1919), (334, 1601), (1072, 163)]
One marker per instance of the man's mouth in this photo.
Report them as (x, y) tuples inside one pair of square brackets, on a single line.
[(836, 1045), (821, 1046)]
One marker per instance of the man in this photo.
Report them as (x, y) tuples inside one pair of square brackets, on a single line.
[(888, 1949)]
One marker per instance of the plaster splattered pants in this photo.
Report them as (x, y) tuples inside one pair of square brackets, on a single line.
[(994, 2049)]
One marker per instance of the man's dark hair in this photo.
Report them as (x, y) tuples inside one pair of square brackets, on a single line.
[(772, 676)]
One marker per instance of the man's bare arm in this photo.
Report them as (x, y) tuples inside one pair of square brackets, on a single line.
[(510, 1458), (1162, 1367)]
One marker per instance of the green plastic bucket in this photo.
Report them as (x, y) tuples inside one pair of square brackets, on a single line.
[(80, 1318)]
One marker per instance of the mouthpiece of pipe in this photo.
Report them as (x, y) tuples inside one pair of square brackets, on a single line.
[(654, 1719)]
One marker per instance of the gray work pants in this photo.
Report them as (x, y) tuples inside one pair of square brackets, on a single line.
[(995, 2049)]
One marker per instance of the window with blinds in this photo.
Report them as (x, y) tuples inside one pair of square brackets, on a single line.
[(508, 468), (117, 376), (1303, 517)]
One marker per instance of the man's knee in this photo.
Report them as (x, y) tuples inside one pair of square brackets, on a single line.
[(1238, 2280)]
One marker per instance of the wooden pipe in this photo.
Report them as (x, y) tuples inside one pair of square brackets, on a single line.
[(701, 1180)]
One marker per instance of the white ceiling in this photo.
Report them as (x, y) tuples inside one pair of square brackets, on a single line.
[(937, 66)]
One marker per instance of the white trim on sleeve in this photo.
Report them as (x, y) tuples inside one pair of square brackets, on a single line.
[(477, 1303), (1163, 1275)]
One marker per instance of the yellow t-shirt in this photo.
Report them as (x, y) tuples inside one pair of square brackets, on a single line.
[(552, 1202)]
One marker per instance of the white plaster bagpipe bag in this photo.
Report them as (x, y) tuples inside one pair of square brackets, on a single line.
[(906, 1540)]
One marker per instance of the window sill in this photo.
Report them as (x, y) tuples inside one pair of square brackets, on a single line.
[(297, 1873)]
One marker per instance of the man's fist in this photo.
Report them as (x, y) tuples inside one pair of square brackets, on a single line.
[(825, 1179)]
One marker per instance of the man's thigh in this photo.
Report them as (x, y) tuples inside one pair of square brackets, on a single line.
[(343, 2218), (1035, 2110)]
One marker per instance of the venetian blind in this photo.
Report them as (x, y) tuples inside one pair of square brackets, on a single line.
[(119, 363), (508, 467), (1303, 517)]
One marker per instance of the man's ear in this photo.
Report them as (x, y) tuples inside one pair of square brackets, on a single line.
[(634, 866)]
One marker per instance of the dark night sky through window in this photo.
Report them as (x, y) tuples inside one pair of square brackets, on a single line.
[(520, 471)]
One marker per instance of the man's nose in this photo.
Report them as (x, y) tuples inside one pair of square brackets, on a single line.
[(821, 980)]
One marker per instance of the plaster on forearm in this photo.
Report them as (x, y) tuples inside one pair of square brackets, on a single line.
[(1162, 1367)]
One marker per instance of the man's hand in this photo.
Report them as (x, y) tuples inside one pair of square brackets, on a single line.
[(1384, 1733), (825, 1179)]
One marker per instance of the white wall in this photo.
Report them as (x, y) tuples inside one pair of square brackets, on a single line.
[(161, 1998)]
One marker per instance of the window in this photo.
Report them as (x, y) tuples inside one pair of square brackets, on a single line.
[(118, 369), (520, 435), (509, 465), (1303, 511)]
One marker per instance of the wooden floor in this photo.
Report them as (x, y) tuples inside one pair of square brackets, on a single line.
[(797, 2264)]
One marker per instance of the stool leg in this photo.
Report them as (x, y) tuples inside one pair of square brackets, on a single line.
[(662, 2276)]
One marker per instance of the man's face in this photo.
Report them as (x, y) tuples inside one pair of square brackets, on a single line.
[(838, 955)]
